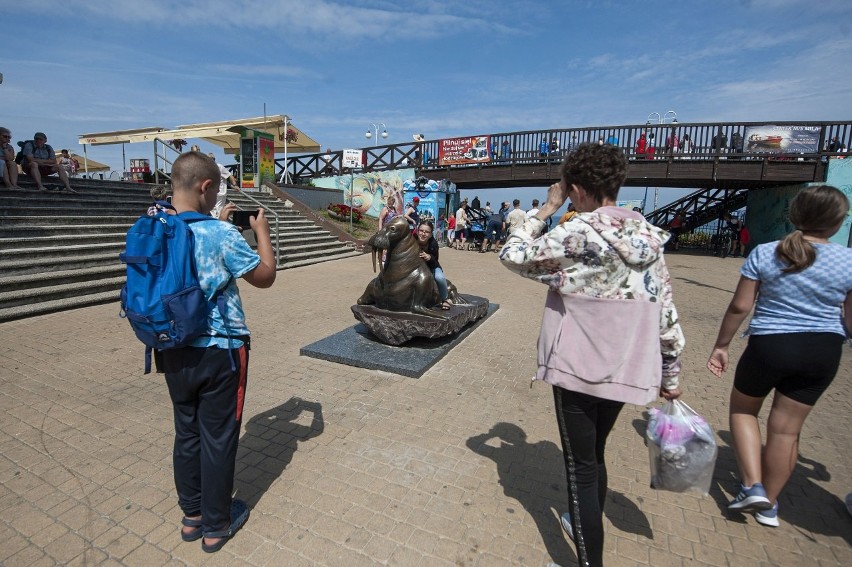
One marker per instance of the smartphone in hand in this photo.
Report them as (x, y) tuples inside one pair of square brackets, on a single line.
[(241, 218)]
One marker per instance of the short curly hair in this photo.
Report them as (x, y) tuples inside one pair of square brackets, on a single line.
[(599, 169)]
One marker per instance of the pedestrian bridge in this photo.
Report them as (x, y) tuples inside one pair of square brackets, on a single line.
[(719, 155)]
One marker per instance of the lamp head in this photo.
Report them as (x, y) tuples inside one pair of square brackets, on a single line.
[(368, 135)]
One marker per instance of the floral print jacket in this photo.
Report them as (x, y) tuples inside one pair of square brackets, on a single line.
[(609, 254)]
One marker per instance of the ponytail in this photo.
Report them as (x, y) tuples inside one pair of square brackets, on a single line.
[(796, 252), (816, 210)]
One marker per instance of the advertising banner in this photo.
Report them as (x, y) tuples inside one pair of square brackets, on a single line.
[(773, 139), (266, 159), (353, 158), (476, 149)]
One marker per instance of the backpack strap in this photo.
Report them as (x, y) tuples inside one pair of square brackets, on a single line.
[(190, 217)]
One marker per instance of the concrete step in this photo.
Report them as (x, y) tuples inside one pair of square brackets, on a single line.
[(61, 277), (37, 264), (60, 240), (24, 220), (18, 297), (63, 251), (45, 307), (299, 262), (25, 231)]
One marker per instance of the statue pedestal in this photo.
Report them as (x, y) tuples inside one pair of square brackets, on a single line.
[(356, 346), (398, 327)]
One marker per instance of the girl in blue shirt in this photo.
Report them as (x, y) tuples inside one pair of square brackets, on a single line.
[(802, 315)]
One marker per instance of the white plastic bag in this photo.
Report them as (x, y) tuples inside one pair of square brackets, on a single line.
[(682, 449)]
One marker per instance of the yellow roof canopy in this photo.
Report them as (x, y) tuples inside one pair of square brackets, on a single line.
[(86, 161), (224, 134)]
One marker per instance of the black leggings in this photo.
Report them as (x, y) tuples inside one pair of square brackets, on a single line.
[(584, 424)]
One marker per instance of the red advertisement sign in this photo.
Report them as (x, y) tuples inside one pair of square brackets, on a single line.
[(476, 149)]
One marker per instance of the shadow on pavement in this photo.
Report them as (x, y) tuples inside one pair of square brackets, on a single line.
[(533, 475), (267, 446), (803, 503)]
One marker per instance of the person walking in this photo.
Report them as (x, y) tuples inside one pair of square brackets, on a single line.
[(610, 333), (796, 287), (461, 225)]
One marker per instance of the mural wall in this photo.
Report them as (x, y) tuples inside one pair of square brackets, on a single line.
[(767, 210), (840, 176), (369, 190)]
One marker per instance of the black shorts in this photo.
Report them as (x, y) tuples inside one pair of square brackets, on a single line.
[(799, 365)]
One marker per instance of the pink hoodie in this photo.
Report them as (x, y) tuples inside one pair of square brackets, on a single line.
[(610, 328)]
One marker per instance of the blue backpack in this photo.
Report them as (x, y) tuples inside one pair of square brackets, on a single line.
[(162, 298)]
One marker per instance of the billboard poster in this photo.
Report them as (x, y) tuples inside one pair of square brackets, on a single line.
[(266, 159), (352, 158), (475, 149), (632, 204), (774, 139)]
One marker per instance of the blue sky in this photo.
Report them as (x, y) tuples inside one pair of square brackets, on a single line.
[(438, 67)]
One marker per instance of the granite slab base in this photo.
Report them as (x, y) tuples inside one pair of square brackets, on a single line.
[(356, 346)]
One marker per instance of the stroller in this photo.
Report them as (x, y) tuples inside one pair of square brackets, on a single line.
[(477, 235)]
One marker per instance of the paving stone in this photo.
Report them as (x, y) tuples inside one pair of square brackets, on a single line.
[(386, 476)]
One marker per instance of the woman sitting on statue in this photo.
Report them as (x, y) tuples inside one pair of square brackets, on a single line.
[(429, 254)]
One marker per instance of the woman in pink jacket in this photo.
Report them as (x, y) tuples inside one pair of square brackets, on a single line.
[(610, 333)]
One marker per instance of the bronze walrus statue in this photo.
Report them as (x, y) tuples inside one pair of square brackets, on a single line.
[(405, 282)]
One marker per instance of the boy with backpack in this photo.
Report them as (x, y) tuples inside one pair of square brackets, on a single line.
[(207, 379)]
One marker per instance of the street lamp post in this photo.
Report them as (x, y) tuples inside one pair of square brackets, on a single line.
[(656, 117), (375, 128), (351, 195)]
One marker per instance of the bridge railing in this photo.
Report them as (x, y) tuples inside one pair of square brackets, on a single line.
[(708, 141)]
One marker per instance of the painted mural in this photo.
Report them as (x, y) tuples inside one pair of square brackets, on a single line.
[(768, 208), (840, 175), (369, 190), (766, 214)]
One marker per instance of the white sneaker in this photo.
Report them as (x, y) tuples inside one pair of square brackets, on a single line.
[(566, 525), (768, 517)]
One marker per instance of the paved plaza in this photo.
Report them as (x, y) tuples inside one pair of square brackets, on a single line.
[(344, 466)]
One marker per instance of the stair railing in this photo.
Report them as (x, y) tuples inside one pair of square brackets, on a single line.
[(277, 225), (161, 148)]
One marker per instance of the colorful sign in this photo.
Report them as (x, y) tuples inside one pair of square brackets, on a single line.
[(353, 158), (773, 139), (266, 159), (476, 149)]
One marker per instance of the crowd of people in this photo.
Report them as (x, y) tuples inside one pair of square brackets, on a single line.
[(37, 159)]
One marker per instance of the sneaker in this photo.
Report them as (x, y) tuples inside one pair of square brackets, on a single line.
[(768, 517), (566, 525), (750, 499)]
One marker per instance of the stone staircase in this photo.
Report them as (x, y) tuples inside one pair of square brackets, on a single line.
[(60, 251)]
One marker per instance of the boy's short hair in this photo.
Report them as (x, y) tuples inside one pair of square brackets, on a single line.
[(191, 169), (516, 202)]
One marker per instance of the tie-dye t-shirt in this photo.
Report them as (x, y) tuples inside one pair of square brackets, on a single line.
[(221, 257)]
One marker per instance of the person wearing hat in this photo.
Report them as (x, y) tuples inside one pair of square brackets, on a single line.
[(412, 215), (40, 160)]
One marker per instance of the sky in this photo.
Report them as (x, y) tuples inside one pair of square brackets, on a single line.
[(442, 68)]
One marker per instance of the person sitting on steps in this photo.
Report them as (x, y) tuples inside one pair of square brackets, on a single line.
[(39, 160)]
